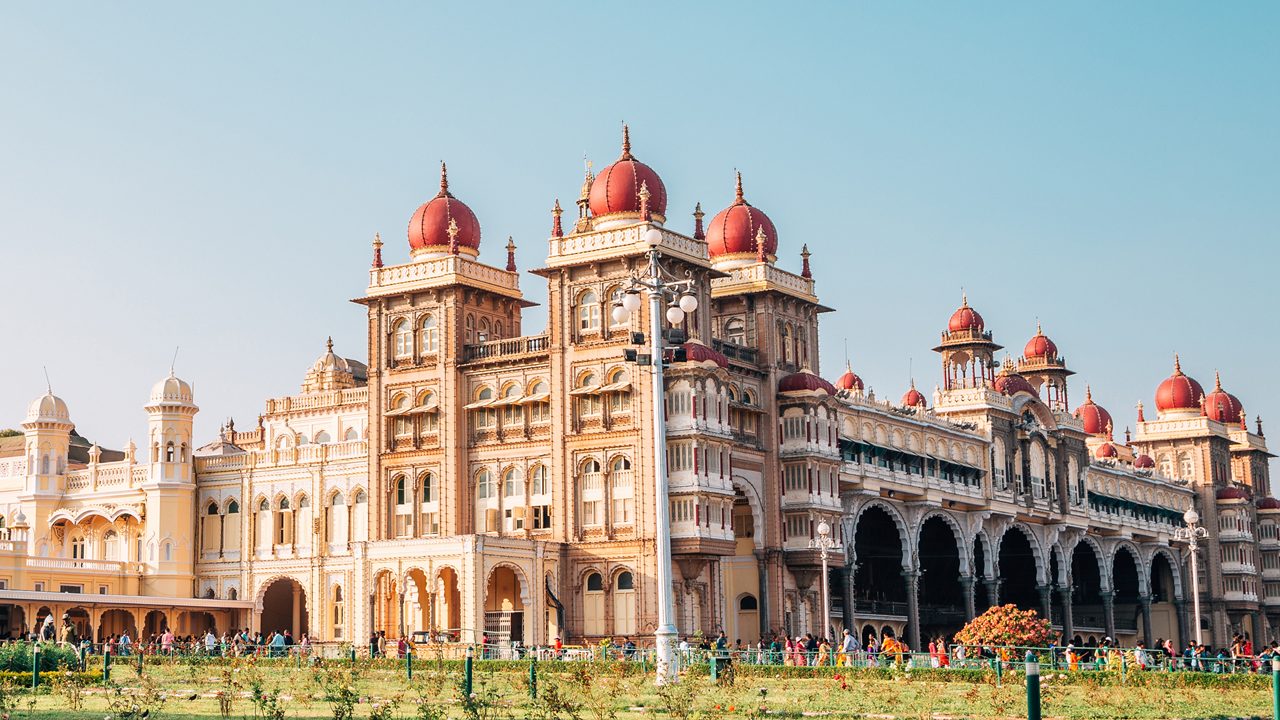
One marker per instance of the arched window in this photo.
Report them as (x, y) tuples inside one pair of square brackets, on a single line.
[(592, 492), (748, 602), (401, 424), (302, 439), (111, 545), (428, 487), (512, 410), (539, 401), (284, 442), (169, 453), (588, 312), (470, 325), (338, 500), (593, 605), (303, 502), (619, 391), (429, 411), (512, 483), (484, 485), (484, 416), (538, 478), (339, 612), (212, 509), (350, 434), (263, 506), (497, 329), (232, 594), (361, 497), (483, 334), (284, 503), (402, 339), (402, 497), (588, 395), (622, 489), (735, 331), (784, 339), (430, 337), (1186, 470), (624, 604), (322, 437), (166, 552), (233, 507)]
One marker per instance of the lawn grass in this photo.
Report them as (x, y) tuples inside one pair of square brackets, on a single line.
[(609, 691)]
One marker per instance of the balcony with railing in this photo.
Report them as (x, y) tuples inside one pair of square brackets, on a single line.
[(517, 347), (733, 351)]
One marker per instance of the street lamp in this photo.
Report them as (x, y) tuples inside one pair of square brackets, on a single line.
[(661, 287), (1191, 535), (824, 543)]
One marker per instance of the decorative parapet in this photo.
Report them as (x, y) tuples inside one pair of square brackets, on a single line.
[(606, 244), (278, 457), (442, 272), (322, 400), (761, 276)]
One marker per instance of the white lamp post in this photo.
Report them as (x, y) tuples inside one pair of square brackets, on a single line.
[(824, 543), (661, 287), (1191, 535)]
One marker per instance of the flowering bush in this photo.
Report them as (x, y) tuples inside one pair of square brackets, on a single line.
[(1006, 625)]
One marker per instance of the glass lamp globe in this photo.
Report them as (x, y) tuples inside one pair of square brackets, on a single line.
[(824, 529), (620, 314), (675, 315), (1191, 516), (652, 237), (688, 302), (631, 300)]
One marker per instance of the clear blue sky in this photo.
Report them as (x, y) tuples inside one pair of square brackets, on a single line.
[(209, 176)]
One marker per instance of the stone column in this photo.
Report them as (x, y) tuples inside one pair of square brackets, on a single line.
[(1046, 601), (1180, 611), (762, 576), (970, 601), (297, 610), (1068, 620), (993, 591), (850, 603), (913, 608), (1109, 612), (1145, 600)]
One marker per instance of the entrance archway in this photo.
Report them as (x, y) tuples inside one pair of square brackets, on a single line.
[(416, 602), (503, 606), (284, 607), (1125, 581), (941, 596), (197, 623), (878, 585), (1018, 571), (154, 625), (448, 613), (1164, 611), (1086, 591), (115, 622)]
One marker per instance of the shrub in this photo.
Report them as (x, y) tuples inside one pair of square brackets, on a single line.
[(16, 657), (1006, 625)]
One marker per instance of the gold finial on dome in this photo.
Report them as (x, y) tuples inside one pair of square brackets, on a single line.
[(964, 297), (626, 142), (444, 180), (1217, 382), (644, 200), (1088, 395), (328, 345), (737, 189), (1177, 364)]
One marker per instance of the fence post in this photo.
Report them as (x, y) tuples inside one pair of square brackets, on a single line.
[(141, 652), (996, 665), (466, 671), (715, 670), (1033, 687), (1275, 688), (35, 665), (408, 663), (533, 677), (106, 667), (353, 655)]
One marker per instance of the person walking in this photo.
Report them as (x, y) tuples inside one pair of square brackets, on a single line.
[(848, 647)]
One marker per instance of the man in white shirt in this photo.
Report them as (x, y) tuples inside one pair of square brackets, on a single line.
[(210, 642), (847, 648)]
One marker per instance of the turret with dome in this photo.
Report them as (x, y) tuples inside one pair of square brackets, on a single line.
[(741, 234), (619, 191), (443, 225)]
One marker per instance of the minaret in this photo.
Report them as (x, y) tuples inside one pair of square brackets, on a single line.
[(169, 542), (584, 199), (48, 438)]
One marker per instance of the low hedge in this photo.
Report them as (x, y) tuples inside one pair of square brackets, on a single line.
[(1012, 673), (48, 677)]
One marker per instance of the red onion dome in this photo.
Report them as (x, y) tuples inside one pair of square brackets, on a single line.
[(1144, 462), (913, 397), (805, 381), (1178, 391), (442, 222), (1096, 419), (1011, 383), (1040, 346), (1106, 450), (1221, 405), (965, 318), (616, 190), (738, 229), (849, 380), (1269, 503), (696, 352), (1232, 493)]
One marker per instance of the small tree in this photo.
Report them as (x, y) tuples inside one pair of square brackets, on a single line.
[(1006, 625)]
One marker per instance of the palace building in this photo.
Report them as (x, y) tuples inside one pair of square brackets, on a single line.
[(471, 478)]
